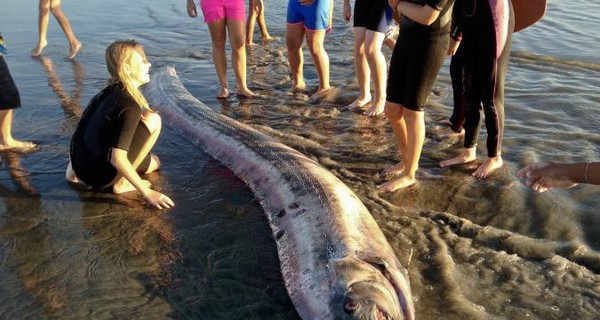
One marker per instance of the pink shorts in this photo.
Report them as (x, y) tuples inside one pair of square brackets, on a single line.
[(215, 10)]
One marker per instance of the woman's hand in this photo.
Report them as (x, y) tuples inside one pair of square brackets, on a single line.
[(347, 10), (453, 47), (158, 199), (545, 176), (191, 9), (306, 2)]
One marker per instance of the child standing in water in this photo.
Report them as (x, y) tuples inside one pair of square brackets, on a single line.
[(222, 17), (256, 10), (418, 56), (45, 7), (309, 19), (370, 27), (484, 30)]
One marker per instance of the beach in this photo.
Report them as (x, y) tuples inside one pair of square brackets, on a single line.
[(474, 249)]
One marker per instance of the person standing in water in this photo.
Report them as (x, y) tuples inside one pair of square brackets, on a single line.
[(370, 27), (484, 31), (45, 7), (226, 17), (256, 14), (419, 54), (111, 145), (310, 19), (9, 100)]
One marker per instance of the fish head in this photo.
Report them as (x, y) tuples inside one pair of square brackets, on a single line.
[(369, 289)]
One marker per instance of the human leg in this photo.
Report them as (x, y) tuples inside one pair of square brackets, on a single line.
[(153, 125), (7, 142), (74, 44), (415, 137), (293, 37), (219, 37), (363, 73), (43, 18), (395, 116), (315, 42), (262, 24), (376, 61), (253, 9), (238, 56)]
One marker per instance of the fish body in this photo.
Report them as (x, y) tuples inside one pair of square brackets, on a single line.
[(335, 260)]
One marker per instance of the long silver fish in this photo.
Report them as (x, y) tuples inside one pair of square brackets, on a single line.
[(335, 261)]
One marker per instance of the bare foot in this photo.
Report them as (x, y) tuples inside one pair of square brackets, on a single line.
[(465, 156), (16, 145), (449, 133), (70, 174), (396, 169), (74, 50), (397, 183), (375, 109), (488, 167), (223, 94), (267, 38), (359, 103), (245, 93), (321, 94), (298, 88), (35, 52), (123, 185)]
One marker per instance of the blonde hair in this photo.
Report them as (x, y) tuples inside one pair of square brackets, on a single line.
[(118, 56)]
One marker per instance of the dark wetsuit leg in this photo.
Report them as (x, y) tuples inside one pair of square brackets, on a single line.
[(456, 74), (100, 173), (484, 81)]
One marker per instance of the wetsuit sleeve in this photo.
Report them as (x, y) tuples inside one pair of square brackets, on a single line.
[(127, 122)]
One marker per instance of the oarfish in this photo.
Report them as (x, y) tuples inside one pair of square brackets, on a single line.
[(335, 260)]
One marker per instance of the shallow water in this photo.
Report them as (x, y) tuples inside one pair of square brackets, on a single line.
[(474, 249)]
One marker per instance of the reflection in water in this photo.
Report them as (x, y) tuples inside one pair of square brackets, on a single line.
[(71, 103), (25, 226)]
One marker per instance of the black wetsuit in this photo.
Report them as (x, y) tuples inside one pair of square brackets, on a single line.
[(418, 56), (111, 120), (372, 15), (483, 71)]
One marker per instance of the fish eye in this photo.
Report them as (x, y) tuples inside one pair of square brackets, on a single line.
[(351, 306)]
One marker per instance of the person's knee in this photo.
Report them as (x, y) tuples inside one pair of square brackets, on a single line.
[(393, 112), (153, 122), (154, 163), (315, 47), (293, 43)]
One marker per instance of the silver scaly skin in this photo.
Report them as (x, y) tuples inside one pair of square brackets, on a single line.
[(335, 261)]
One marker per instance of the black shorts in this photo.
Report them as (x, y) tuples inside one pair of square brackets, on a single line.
[(371, 14), (97, 171), (9, 94)]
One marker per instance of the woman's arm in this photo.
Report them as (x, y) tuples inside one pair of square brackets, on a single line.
[(424, 15), (191, 9), (120, 161), (544, 176)]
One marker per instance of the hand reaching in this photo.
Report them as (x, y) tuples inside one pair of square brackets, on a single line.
[(544, 176)]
